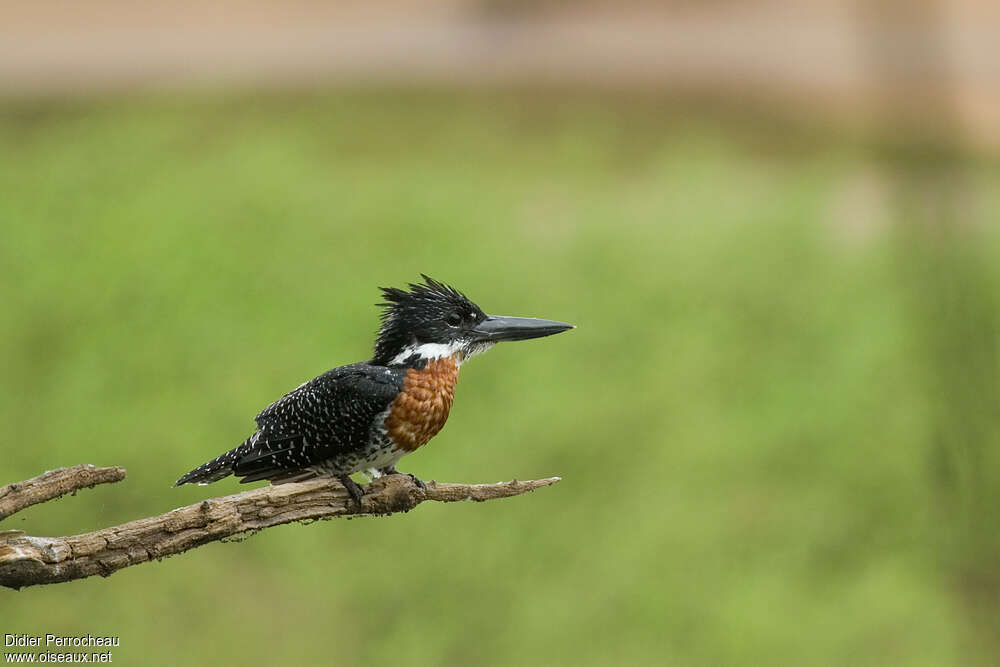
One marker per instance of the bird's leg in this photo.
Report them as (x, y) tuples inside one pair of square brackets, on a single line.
[(352, 487), (391, 470)]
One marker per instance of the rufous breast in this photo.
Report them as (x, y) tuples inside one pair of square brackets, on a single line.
[(422, 406)]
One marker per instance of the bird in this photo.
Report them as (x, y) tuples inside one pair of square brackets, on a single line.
[(365, 416)]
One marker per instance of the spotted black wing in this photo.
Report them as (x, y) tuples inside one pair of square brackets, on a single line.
[(328, 416)]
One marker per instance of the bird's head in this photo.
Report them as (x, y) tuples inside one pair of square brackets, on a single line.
[(433, 320)]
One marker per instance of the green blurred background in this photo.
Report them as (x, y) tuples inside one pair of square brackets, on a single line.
[(776, 422)]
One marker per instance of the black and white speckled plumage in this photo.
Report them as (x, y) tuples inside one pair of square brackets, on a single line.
[(330, 424)]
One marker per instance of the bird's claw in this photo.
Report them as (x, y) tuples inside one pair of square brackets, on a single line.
[(416, 480), (391, 470), (352, 488)]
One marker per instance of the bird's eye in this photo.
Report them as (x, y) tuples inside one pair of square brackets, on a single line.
[(454, 320)]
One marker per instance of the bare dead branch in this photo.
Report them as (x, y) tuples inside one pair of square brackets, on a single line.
[(53, 484), (29, 561)]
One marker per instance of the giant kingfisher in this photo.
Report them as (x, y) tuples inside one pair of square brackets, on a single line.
[(364, 417)]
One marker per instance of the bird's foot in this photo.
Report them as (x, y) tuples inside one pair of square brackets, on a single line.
[(353, 489), (416, 480), (391, 470)]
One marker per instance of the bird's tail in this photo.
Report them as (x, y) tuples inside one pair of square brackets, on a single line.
[(217, 468)]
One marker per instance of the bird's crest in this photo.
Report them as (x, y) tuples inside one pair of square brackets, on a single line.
[(410, 317)]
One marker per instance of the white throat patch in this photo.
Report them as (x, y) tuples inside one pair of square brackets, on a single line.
[(429, 351)]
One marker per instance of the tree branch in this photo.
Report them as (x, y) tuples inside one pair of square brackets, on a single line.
[(29, 561), (53, 484)]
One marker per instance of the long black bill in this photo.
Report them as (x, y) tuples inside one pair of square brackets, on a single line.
[(496, 328)]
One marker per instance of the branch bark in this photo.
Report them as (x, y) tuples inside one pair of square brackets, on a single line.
[(53, 484), (30, 561)]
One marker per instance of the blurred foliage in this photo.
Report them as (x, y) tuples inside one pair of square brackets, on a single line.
[(751, 420), (950, 260)]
